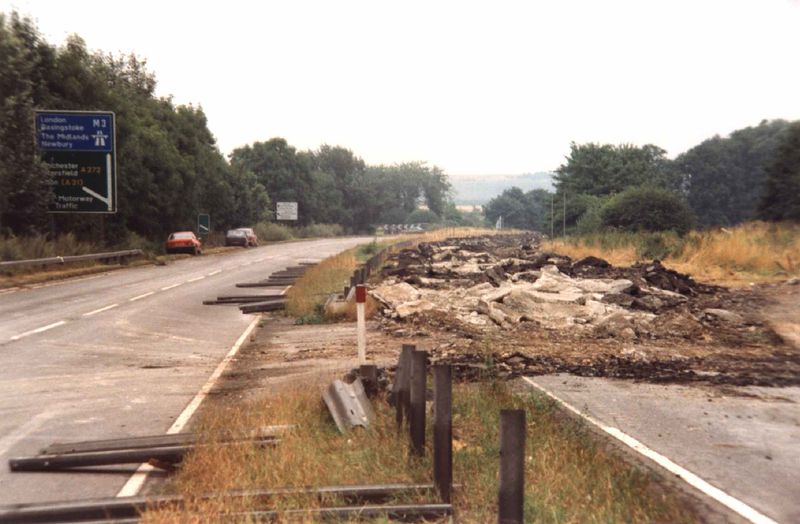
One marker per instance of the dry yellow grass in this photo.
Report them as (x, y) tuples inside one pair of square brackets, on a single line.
[(305, 297), (452, 232), (751, 252), (569, 477)]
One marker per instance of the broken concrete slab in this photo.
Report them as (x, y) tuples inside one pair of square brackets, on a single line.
[(395, 294), (413, 307), (724, 314)]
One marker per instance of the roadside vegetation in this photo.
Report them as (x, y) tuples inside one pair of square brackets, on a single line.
[(753, 173), (569, 476), (755, 251), (173, 166)]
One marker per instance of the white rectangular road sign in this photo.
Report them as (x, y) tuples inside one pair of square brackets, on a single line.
[(286, 211)]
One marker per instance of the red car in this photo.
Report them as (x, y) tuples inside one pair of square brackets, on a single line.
[(183, 242)]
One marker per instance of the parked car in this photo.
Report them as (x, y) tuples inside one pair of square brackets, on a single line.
[(183, 242), (252, 239), (236, 237)]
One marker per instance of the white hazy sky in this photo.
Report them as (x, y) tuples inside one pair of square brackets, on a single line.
[(476, 88)]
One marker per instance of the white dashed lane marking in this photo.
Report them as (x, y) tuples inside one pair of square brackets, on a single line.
[(195, 279), (39, 330), (214, 273), (172, 286), (134, 299), (96, 311)]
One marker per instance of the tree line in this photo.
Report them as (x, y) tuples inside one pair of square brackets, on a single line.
[(754, 173), (169, 166)]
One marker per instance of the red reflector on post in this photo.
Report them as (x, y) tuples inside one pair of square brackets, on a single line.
[(361, 293)]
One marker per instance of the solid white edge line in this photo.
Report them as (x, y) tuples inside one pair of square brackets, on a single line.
[(137, 480), (134, 299), (96, 311), (172, 286), (39, 330), (195, 279), (690, 478)]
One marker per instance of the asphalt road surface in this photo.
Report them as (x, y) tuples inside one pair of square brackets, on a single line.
[(744, 441), (116, 355)]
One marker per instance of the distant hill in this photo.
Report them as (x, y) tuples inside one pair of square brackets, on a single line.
[(479, 189)]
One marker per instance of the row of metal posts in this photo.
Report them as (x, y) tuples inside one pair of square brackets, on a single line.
[(410, 397)]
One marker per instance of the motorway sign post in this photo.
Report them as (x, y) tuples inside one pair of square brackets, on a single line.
[(203, 224), (79, 150), (286, 211)]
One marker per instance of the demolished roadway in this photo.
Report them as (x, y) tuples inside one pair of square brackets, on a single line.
[(705, 376)]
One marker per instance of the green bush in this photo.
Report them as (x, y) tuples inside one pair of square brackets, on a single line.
[(269, 231), (422, 216), (319, 230), (136, 241), (648, 209), (658, 245), (39, 246)]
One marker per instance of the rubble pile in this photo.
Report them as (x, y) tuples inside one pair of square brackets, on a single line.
[(497, 283)]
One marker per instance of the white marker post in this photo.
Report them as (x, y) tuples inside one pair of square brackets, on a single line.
[(361, 323)]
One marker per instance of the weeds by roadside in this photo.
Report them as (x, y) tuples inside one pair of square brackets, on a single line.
[(569, 476), (748, 252), (271, 231), (306, 296)]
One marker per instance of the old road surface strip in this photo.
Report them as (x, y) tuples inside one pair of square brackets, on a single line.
[(83, 361), (744, 510), (137, 480)]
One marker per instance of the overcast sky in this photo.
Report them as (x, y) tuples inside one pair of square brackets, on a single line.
[(475, 88)]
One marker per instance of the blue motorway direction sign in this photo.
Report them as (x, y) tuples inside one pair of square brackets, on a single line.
[(79, 150)]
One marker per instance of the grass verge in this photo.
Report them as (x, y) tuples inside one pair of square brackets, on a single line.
[(756, 251), (569, 476)]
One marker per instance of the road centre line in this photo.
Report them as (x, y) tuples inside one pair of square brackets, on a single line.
[(214, 273), (690, 478), (39, 330), (137, 480), (96, 311), (172, 286), (134, 299), (195, 279)]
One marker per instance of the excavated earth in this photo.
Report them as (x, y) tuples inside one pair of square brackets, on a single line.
[(498, 306)]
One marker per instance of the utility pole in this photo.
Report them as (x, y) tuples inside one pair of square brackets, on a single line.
[(552, 215), (564, 226)]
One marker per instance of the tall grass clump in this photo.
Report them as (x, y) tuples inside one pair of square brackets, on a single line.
[(758, 248), (39, 246), (272, 232), (755, 250), (305, 298), (319, 231)]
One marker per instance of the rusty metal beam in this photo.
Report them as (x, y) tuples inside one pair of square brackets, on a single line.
[(132, 507)]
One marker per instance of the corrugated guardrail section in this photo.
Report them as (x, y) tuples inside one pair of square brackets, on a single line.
[(361, 274), (110, 256)]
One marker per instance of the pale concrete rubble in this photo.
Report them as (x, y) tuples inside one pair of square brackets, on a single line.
[(413, 307), (394, 294), (724, 315), (553, 300)]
